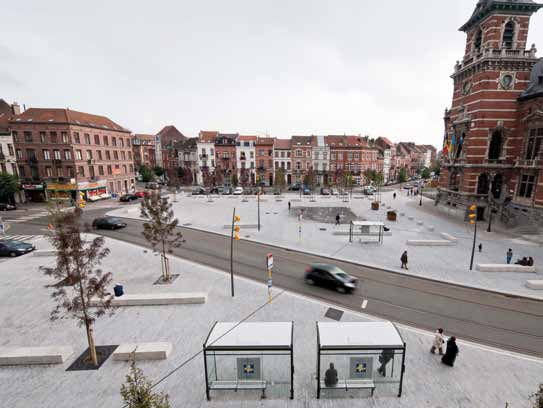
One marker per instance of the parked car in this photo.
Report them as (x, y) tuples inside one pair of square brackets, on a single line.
[(407, 186), (128, 197), (238, 191), (140, 194), (198, 191), (227, 191), (111, 223), (15, 248), (7, 207), (334, 191), (217, 190), (152, 186), (295, 187), (306, 191), (330, 276), (325, 191)]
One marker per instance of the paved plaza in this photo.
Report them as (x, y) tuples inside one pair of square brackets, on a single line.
[(283, 228), (481, 378)]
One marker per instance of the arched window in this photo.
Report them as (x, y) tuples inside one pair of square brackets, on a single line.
[(478, 41), (508, 35), (483, 184), (495, 148)]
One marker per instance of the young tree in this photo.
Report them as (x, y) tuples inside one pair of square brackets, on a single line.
[(234, 179), (309, 179), (425, 173), (9, 185), (146, 173), (159, 171), (138, 392), (279, 179), (369, 175), (348, 181), (402, 175), (79, 278), (160, 230), (537, 398)]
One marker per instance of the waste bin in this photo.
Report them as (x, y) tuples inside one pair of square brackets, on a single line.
[(118, 290), (391, 215), (375, 205)]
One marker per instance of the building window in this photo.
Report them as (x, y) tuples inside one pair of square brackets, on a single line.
[(508, 35), (78, 155), (48, 171), (316, 155), (10, 149), (288, 165), (59, 171), (324, 166), (97, 139), (89, 154), (288, 155), (478, 41), (91, 171), (131, 168), (356, 156), (64, 136), (121, 140), (127, 142), (99, 153), (113, 141), (106, 140), (101, 170), (70, 171), (129, 155), (495, 148), (76, 138), (211, 151), (526, 186), (298, 165), (81, 171), (252, 155), (115, 155), (124, 169), (109, 170), (123, 155), (87, 138), (298, 153), (15, 136), (67, 155), (270, 164), (108, 157), (28, 137), (56, 154), (53, 136), (261, 164), (533, 147), (225, 155), (22, 171), (42, 137), (46, 155)]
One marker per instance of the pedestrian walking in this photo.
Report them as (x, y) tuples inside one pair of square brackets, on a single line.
[(394, 196), (480, 247), (337, 219), (404, 260), (509, 255), (384, 358), (438, 342), (450, 354), (289, 206)]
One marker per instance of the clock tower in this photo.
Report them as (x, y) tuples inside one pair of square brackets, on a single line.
[(482, 140)]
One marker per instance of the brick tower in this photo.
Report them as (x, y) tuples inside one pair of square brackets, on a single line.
[(482, 137)]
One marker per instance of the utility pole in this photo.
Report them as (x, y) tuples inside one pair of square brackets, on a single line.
[(234, 236), (258, 205), (473, 220), (489, 229)]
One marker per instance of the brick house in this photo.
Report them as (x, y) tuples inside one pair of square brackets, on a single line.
[(225, 157), (264, 161), (282, 159), (205, 147), (8, 161), (143, 150), (246, 160), (166, 155), (187, 161), (61, 152), (301, 156)]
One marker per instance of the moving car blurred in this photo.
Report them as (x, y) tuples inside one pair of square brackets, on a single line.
[(330, 276), (15, 248), (238, 191), (198, 191), (306, 191), (140, 194), (7, 207), (128, 197), (111, 223)]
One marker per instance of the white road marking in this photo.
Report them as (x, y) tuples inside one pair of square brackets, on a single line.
[(364, 303)]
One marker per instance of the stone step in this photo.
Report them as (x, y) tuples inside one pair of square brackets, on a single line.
[(155, 299), (34, 355), (505, 268), (535, 284), (429, 242), (143, 351)]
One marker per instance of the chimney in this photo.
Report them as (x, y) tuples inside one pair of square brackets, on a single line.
[(16, 108)]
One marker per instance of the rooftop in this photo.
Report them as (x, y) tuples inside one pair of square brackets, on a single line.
[(487, 7)]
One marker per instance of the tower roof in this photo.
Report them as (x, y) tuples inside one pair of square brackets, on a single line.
[(535, 88), (486, 7)]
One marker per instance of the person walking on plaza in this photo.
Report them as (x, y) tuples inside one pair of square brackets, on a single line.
[(450, 354), (289, 206), (384, 358), (394, 196), (509, 255), (404, 260), (337, 219), (480, 247), (438, 342)]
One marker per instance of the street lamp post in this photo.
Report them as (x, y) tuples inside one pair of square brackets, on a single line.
[(258, 206), (473, 220), (234, 236), (420, 202), (489, 228)]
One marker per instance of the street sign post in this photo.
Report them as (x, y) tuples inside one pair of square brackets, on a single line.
[(269, 264)]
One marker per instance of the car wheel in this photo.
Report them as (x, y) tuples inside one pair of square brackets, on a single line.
[(341, 289), (309, 281), (13, 254)]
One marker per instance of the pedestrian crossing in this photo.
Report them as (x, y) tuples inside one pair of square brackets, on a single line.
[(24, 238), (29, 217)]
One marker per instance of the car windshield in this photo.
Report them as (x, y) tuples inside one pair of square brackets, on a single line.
[(15, 244), (113, 220), (338, 273)]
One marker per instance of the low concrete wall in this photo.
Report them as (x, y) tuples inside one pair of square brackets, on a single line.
[(429, 242), (358, 234), (143, 351), (535, 284), (448, 237), (45, 252), (34, 355), (505, 268), (153, 299)]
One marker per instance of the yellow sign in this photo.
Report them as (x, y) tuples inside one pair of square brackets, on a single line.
[(61, 187)]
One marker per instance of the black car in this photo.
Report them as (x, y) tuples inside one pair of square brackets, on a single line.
[(198, 191), (295, 187), (111, 223), (330, 276), (7, 207), (128, 197), (15, 248)]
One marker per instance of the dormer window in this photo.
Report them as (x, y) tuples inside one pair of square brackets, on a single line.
[(478, 41), (508, 35)]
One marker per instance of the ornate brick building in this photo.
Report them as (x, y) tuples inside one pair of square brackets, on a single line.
[(490, 158)]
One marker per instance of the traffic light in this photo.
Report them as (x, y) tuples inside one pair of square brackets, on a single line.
[(472, 214), (237, 228)]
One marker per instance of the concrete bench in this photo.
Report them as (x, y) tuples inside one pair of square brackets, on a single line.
[(155, 299), (410, 218), (448, 237), (430, 228), (429, 242), (535, 284), (505, 268), (45, 252), (34, 355), (142, 351), (402, 214), (420, 223), (239, 385)]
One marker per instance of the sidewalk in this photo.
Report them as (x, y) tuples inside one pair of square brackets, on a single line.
[(482, 378), (281, 228)]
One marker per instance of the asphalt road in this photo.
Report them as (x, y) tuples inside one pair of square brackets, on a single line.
[(508, 322)]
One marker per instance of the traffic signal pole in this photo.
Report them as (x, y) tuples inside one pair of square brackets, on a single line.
[(473, 220), (232, 253)]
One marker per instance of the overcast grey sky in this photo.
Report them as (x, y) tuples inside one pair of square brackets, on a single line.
[(278, 67)]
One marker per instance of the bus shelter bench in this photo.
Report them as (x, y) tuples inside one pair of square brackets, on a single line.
[(239, 385), (352, 385)]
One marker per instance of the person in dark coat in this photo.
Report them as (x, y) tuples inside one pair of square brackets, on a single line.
[(337, 219), (530, 261), (451, 352), (404, 260), (394, 196), (289, 206), (330, 376), (384, 358), (480, 247)]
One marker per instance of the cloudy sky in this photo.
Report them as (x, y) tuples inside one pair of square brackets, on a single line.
[(278, 67)]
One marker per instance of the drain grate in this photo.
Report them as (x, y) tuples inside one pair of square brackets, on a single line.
[(334, 314)]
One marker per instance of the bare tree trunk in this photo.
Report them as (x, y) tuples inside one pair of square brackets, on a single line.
[(165, 269), (92, 347)]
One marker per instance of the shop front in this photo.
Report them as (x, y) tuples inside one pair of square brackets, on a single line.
[(94, 190), (34, 192), (61, 191)]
